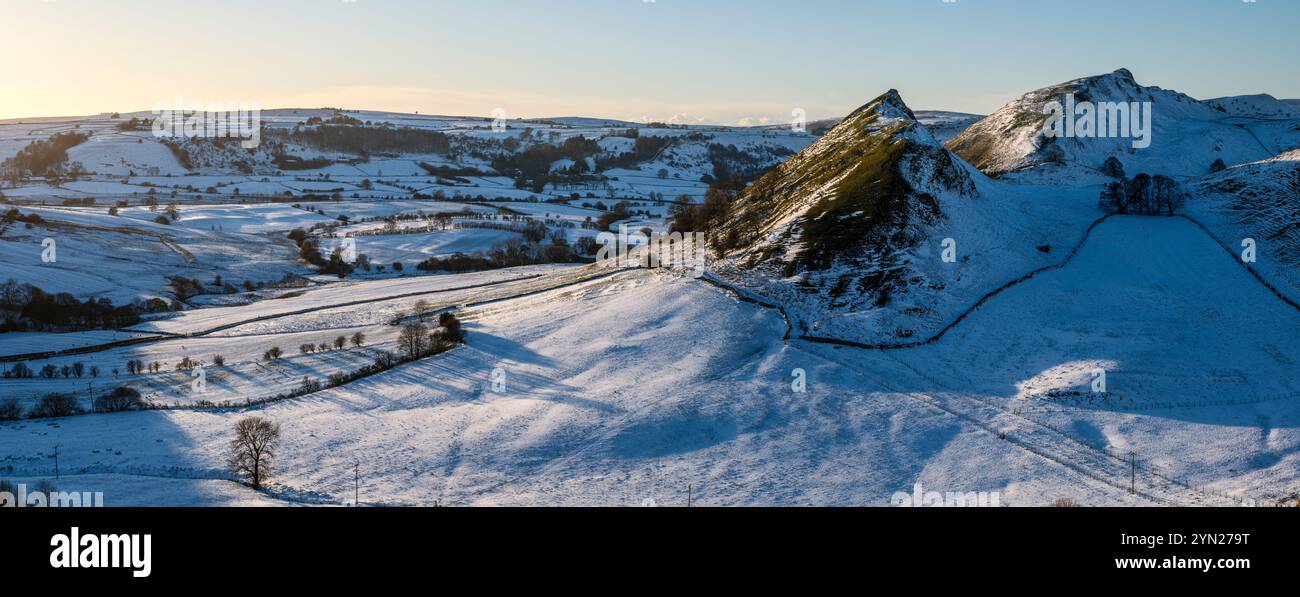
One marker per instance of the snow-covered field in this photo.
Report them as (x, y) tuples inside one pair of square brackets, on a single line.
[(585, 385), (635, 386), (609, 397)]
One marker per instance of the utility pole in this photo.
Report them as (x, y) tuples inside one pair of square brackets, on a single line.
[(56, 461), (1132, 475), (356, 484), (688, 495)]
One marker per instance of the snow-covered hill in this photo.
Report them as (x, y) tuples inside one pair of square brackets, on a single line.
[(1186, 138), (867, 180), (877, 233), (1260, 105), (946, 125)]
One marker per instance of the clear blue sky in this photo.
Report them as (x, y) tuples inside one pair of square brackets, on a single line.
[(717, 60)]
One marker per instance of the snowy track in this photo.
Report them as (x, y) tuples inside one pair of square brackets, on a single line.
[(1055, 445)]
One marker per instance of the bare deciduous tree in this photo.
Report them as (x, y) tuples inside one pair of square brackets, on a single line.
[(413, 339), (255, 443), (120, 399)]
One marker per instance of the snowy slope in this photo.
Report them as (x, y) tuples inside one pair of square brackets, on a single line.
[(580, 422), (608, 399), (1259, 201), (946, 125), (1261, 105), (1196, 353), (849, 234), (1187, 136)]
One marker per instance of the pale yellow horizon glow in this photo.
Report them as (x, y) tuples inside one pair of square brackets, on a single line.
[(689, 62), (409, 100), (87, 57)]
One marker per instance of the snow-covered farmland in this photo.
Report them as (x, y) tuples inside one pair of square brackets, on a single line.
[(586, 385), (633, 386)]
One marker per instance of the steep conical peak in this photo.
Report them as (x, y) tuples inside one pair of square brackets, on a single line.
[(859, 196), (889, 105), (887, 115)]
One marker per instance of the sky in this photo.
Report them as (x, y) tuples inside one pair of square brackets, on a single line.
[(706, 61)]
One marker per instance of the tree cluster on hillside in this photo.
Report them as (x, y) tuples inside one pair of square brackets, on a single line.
[(535, 248), (122, 398), (44, 157), (1113, 168), (55, 405), (119, 399), (710, 214), (336, 118), (620, 211), (309, 250), (366, 140), (451, 173), (532, 165), (13, 215), (24, 307), (135, 124), (10, 410), (417, 341), (181, 154), (1143, 195), (729, 161), (286, 161), (645, 148), (50, 371)]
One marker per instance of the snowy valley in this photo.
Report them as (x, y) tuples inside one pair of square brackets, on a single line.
[(894, 298)]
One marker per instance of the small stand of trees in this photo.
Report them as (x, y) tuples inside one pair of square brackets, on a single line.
[(348, 135), (120, 399), (24, 307), (55, 405), (45, 157), (417, 341), (10, 410), (1143, 195), (309, 250), (537, 246), (712, 213)]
